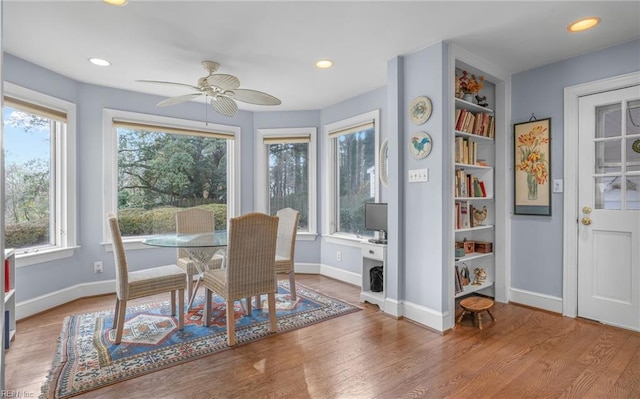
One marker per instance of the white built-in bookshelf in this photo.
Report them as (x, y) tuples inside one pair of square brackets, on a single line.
[(474, 161)]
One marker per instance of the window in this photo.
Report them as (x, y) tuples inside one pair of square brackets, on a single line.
[(286, 174), (351, 170), (158, 166), (39, 165)]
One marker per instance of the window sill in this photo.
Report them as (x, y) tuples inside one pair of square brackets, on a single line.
[(306, 236), (44, 255), (345, 239)]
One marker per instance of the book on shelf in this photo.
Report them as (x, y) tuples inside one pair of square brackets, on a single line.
[(468, 185), (458, 281), (479, 123), (7, 329), (7, 280)]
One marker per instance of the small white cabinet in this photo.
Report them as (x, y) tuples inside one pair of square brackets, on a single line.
[(373, 255)]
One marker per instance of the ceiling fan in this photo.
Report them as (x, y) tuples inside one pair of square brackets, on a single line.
[(223, 89)]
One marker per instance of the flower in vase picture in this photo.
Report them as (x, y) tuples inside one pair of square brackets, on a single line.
[(531, 159)]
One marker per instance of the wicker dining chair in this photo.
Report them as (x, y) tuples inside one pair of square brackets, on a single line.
[(193, 221), (142, 283), (249, 271), (286, 245)]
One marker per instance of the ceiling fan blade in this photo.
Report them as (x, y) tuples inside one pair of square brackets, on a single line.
[(224, 105), (224, 82), (254, 97), (177, 100), (170, 83)]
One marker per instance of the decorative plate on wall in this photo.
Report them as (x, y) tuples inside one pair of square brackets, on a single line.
[(420, 110), (420, 145)]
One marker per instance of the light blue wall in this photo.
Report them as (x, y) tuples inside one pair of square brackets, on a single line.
[(424, 219), (536, 242)]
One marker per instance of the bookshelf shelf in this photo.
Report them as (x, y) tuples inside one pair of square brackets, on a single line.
[(470, 289), (477, 228), (473, 136), (469, 166), (472, 256)]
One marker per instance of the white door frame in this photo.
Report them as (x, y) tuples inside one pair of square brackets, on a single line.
[(571, 208)]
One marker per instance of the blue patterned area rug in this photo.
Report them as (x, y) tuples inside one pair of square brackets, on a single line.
[(87, 359)]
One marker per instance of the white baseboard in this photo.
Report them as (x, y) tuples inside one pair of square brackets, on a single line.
[(536, 300), (342, 275), (44, 302), (425, 316), (307, 268), (39, 304)]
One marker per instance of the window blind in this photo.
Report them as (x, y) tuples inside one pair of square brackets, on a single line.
[(303, 138), (351, 129), (35, 109), (124, 124)]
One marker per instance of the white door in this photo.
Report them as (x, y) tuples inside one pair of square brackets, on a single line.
[(609, 205)]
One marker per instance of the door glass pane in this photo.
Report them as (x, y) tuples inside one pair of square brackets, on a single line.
[(633, 117), (608, 121), (608, 156), (633, 157), (608, 192), (633, 192)]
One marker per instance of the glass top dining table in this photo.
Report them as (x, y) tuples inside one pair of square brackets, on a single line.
[(201, 248)]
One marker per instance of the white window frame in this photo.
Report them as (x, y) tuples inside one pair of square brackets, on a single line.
[(64, 152), (262, 173), (330, 172), (110, 164)]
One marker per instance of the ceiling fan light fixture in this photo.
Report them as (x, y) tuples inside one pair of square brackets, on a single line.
[(118, 3), (583, 24), (324, 64), (99, 62)]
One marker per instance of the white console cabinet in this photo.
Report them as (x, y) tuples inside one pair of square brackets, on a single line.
[(373, 255)]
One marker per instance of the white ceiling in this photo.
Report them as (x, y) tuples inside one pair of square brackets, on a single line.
[(272, 46)]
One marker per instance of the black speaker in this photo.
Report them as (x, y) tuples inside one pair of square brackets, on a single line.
[(376, 278)]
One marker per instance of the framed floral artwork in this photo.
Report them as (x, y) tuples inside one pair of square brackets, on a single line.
[(532, 171)]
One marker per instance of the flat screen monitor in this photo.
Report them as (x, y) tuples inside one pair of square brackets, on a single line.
[(375, 218)]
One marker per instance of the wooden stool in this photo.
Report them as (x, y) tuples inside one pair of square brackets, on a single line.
[(475, 305)]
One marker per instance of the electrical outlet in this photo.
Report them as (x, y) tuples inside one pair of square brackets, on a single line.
[(339, 256), (97, 267)]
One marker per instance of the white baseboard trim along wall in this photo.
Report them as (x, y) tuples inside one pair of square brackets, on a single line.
[(536, 300)]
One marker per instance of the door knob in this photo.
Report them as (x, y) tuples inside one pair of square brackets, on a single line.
[(587, 210), (586, 221)]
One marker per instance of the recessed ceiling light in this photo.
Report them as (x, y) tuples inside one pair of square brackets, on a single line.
[(116, 2), (583, 24), (99, 62), (324, 64)]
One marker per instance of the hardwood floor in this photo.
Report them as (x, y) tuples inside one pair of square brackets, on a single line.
[(525, 353)]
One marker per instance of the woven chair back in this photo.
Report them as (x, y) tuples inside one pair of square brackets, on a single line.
[(120, 257), (193, 221), (287, 230), (251, 254)]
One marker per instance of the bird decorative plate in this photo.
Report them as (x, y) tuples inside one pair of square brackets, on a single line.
[(420, 145), (420, 110), (636, 146)]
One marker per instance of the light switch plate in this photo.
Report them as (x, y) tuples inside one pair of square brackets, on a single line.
[(418, 175), (558, 186)]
